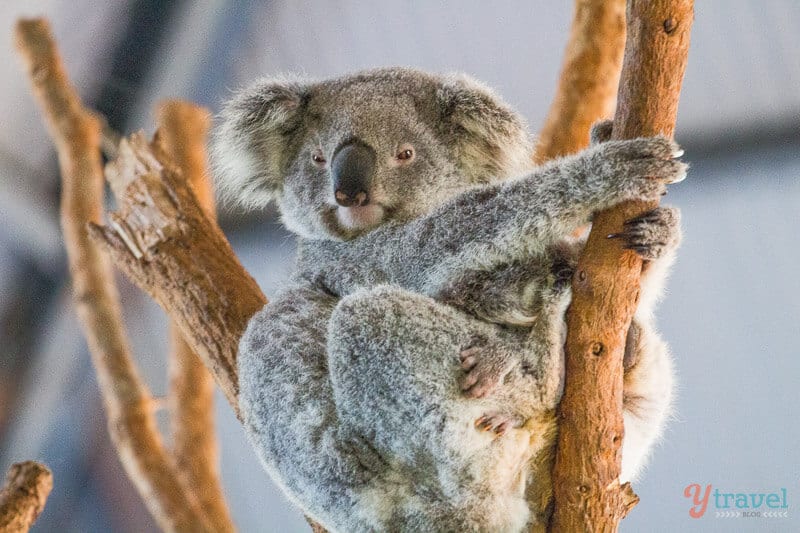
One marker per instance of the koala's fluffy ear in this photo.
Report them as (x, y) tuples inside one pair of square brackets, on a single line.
[(489, 139), (250, 144)]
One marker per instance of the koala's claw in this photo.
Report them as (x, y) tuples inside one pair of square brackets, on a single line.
[(498, 423), (652, 234), (484, 369)]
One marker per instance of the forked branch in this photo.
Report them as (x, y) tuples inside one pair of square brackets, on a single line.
[(128, 403)]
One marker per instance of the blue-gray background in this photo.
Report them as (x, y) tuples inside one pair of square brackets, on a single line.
[(731, 313)]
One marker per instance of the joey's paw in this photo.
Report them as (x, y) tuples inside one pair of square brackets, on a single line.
[(652, 234), (498, 423), (485, 367), (640, 168)]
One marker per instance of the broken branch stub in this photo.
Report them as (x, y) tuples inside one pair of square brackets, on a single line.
[(24, 495), (161, 238)]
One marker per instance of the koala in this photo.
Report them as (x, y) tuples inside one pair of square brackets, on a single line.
[(406, 378)]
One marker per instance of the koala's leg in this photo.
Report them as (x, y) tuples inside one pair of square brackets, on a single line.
[(394, 365), (648, 381), (288, 409), (647, 396)]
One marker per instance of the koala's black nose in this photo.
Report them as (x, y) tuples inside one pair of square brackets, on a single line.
[(352, 168)]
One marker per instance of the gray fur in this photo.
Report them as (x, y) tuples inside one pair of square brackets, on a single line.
[(407, 379)]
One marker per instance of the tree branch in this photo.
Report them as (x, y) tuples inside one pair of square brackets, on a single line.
[(129, 406), (162, 240), (184, 128), (589, 78), (23, 497), (588, 496)]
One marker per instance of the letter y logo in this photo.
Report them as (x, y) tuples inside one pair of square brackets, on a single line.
[(700, 502)]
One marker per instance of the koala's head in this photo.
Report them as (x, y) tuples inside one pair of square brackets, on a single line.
[(345, 155)]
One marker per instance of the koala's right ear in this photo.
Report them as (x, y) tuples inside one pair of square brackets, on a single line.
[(488, 138), (249, 148)]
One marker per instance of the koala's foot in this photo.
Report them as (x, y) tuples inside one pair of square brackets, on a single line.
[(652, 234), (485, 367), (498, 423)]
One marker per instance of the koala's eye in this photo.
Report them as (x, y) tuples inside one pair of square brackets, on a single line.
[(406, 153), (318, 158)]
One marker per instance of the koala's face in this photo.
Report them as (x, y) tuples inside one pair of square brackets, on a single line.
[(343, 156)]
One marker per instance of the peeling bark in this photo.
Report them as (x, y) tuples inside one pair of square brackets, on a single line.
[(163, 240)]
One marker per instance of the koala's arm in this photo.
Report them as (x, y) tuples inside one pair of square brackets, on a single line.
[(496, 224)]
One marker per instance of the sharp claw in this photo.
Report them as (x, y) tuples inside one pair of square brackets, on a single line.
[(680, 177), (637, 248), (614, 235), (677, 153)]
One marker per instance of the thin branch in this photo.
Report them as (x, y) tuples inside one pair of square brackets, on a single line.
[(131, 423), (184, 128), (587, 87), (587, 492), (23, 497)]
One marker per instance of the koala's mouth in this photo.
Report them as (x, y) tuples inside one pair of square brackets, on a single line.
[(348, 222), (359, 218)]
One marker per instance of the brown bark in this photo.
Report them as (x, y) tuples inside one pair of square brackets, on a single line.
[(589, 78), (161, 239), (588, 496), (184, 128), (129, 406), (23, 497)]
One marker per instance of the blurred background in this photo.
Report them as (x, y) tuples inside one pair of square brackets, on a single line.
[(731, 313)]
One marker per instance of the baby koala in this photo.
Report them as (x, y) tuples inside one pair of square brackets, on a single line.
[(428, 302)]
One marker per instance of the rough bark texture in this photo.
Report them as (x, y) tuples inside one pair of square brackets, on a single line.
[(587, 87), (184, 129), (129, 406), (23, 497), (161, 238), (587, 493)]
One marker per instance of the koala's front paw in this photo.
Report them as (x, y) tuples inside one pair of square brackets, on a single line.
[(637, 169), (498, 422), (653, 234), (485, 367)]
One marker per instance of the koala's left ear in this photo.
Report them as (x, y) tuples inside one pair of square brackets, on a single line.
[(489, 139), (250, 145)]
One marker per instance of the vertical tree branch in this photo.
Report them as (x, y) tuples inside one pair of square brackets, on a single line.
[(184, 128), (23, 497), (589, 78), (129, 406), (588, 496)]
